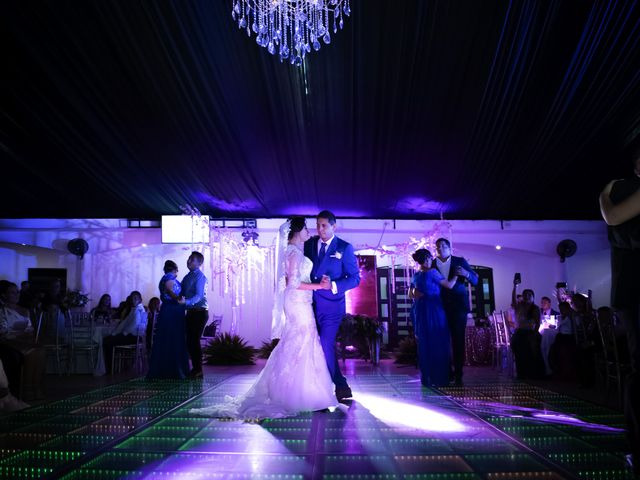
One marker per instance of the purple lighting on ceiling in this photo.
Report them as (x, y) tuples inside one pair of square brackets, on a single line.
[(422, 205), (240, 205)]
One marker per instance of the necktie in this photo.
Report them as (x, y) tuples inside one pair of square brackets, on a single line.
[(323, 250)]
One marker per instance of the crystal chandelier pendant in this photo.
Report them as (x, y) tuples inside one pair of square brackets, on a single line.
[(290, 28)]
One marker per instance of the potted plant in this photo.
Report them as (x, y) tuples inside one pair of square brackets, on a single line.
[(228, 349), (370, 330)]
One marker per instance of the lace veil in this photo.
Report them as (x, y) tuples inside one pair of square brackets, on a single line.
[(277, 316)]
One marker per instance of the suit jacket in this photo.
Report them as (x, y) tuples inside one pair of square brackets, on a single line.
[(627, 234), (625, 250), (340, 264), (458, 297)]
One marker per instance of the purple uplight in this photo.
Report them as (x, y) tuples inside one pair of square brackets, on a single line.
[(536, 415), (404, 414)]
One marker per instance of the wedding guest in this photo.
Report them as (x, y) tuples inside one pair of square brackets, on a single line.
[(123, 309), (455, 300), (525, 341), (16, 333), (169, 356), (587, 339), (562, 356), (26, 297), (193, 290), (103, 312), (127, 330), (8, 403), (153, 309), (546, 309), (54, 296), (429, 321)]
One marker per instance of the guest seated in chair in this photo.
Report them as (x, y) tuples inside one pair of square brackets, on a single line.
[(127, 330), (103, 312), (153, 309), (8, 403), (16, 335)]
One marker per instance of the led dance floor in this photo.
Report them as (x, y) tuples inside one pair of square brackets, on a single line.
[(394, 429)]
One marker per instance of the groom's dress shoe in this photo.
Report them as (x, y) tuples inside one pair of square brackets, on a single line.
[(343, 393)]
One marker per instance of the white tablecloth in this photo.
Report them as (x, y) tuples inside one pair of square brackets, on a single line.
[(548, 337), (99, 332)]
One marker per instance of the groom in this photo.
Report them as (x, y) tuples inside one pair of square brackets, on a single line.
[(336, 268), (455, 300)]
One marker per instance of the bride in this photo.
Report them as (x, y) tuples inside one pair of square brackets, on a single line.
[(295, 378)]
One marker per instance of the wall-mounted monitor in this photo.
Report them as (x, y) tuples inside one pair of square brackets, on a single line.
[(185, 229)]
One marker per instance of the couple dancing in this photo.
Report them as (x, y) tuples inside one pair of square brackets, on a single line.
[(176, 334), (439, 313), (313, 276)]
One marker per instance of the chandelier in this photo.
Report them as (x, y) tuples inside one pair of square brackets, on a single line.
[(290, 28)]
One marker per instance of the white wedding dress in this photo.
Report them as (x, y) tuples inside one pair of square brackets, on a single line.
[(295, 377)]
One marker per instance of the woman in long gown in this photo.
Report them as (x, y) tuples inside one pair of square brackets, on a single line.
[(169, 356), (429, 321), (295, 377)]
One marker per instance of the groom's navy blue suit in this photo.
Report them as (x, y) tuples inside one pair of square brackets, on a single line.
[(341, 266)]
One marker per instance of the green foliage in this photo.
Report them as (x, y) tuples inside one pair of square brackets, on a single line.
[(75, 298), (407, 352), (267, 347), (227, 349), (359, 331)]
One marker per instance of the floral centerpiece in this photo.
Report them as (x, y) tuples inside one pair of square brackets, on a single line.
[(75, 299)]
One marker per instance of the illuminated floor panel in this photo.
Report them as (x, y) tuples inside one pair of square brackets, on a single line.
[(394, 429)]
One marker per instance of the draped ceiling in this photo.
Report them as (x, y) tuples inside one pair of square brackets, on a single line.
[(418, 108)]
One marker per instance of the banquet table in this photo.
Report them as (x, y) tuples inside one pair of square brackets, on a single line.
[(99, 332), (548, 337)]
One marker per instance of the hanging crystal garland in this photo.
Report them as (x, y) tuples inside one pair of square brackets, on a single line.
[(290, 28)]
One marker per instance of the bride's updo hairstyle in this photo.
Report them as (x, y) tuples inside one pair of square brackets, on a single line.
[(421, 256), (297, 224)]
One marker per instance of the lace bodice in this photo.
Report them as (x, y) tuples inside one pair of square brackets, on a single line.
[(298, 270), (164, 295)]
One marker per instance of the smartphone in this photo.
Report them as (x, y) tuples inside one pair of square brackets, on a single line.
[(517, 278), (561, 285)]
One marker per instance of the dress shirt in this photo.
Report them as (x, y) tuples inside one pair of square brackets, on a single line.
[(444, 267), (136, 319), (193, 290), (328, 243), (334, 287)]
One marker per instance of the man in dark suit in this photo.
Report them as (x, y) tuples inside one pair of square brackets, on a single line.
[(455, 301), (546, 309), (620, 207), (334, 261)]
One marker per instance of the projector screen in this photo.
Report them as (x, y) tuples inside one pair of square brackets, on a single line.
[(185, 229)]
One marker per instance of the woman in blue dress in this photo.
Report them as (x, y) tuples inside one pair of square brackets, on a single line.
[(429, 321), (169, 357)]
